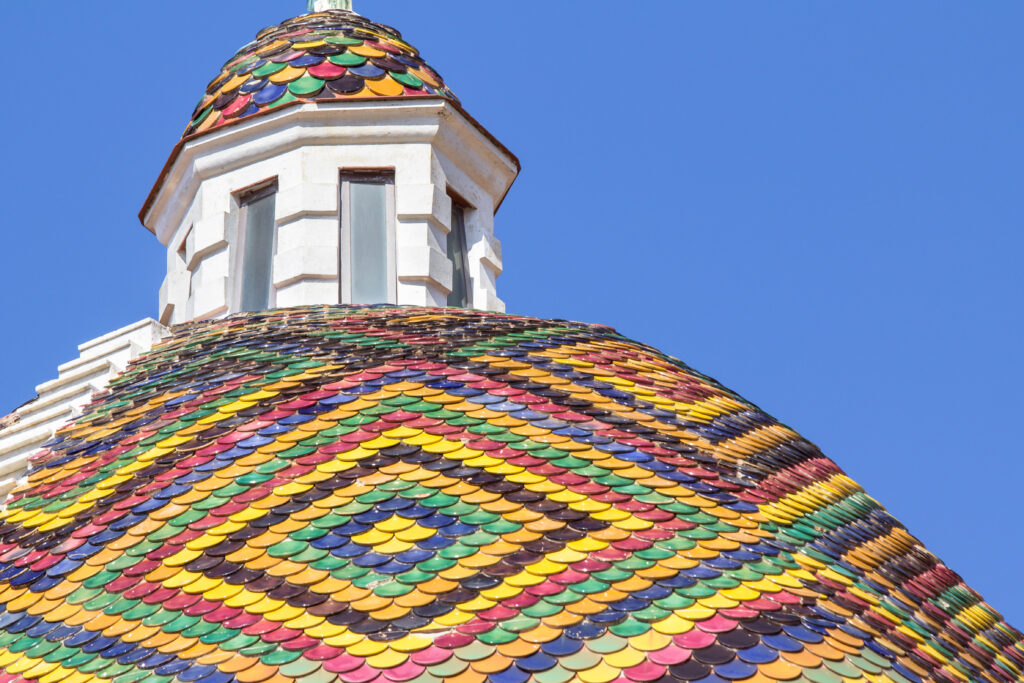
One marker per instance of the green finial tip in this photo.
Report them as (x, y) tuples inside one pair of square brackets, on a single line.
[(321, 5)]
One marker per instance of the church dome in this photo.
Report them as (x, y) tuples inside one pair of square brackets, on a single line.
[(322, 56), (390, 494)]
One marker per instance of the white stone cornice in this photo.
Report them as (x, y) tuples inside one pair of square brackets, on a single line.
[(432, 121)]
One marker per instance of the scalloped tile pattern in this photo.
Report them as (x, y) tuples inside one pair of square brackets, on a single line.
[(325, 56), (386, 494)]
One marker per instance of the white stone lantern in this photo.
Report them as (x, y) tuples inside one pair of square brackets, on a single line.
[(434, 154)]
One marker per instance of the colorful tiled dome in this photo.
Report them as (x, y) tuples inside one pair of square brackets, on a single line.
[(403, 494), (330, 55)]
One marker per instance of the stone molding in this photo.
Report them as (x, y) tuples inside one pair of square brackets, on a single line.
[(60, 400)]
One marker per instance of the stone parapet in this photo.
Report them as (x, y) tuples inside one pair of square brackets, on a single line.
[(60, 400)]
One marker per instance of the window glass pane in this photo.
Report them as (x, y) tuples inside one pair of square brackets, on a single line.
[(258, 254), (368, 239), (459, 295)]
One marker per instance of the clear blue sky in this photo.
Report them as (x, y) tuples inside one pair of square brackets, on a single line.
[(818, 203)]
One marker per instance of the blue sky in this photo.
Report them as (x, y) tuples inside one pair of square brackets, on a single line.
[(817, 203)]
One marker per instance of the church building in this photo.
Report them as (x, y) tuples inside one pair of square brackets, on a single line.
[(332, 456)]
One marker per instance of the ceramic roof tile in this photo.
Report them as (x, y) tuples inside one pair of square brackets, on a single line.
[(401, 494), (323, 56)]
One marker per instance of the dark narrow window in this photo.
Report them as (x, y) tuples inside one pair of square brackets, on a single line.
[(257, 248), (459, 296), (183, 250), (186, 246), (367, 199)]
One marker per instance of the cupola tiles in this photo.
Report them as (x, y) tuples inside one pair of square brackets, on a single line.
[(335, 458)]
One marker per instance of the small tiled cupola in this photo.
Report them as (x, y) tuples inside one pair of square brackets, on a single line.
[(328, 163)]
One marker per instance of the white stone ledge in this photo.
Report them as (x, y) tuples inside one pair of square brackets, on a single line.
[(305, 263), (77, 372), (55, 399), (17, 461), (174, 294), (60, 400), (421, 293), (146, 330), (491, 256), (305, 292), (423, 202), (307, 199), (210, 235), (419, 264)]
